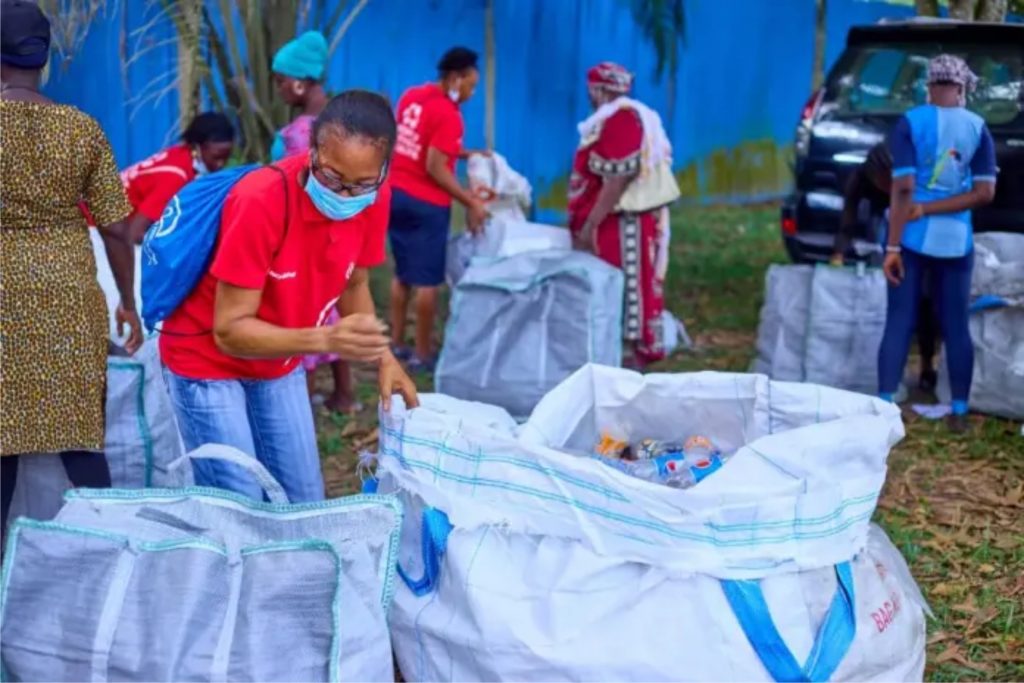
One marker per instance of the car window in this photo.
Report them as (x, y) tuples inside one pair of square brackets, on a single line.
[(890, 79)]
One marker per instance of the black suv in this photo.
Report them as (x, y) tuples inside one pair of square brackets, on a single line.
[(880, 75)]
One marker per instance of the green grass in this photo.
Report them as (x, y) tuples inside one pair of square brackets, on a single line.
[(954, 505)]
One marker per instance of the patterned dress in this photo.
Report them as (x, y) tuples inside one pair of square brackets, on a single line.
[(625, 240), (53, 321)]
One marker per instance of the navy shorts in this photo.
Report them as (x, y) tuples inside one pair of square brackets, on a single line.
[(419, 239)]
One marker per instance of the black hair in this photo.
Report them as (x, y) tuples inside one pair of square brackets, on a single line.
[(457, 60), (879, 160), (209, 126), (361, 113)]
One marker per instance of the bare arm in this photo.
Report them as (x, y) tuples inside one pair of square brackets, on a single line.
[(357, 297), (848, 220), (467, 153), (980, 194), (437, 168), (138, 224), (121, 255), (610, 194), (901, 202), (238, 332)]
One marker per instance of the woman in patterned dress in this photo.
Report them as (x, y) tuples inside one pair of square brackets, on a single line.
[(53, 319), (617, 144)]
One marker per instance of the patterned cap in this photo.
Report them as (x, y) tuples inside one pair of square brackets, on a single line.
[(951, 69), (610, 76)]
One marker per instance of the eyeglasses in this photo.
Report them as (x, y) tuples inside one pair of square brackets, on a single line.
[(335, 184)]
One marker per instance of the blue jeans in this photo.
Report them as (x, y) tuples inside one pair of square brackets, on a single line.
[(271, 420), (950, 292)]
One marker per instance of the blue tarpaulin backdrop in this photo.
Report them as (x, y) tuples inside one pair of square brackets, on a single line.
[(745, 73)]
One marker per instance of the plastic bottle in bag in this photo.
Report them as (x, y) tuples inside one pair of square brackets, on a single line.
[(652, 448), (659, 469), (698, 447)]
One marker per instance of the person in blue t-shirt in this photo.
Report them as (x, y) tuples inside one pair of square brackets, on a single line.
[(943, 166)]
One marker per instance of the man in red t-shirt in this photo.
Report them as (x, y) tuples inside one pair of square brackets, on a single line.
[(206, 146), (296, 241), (429, 142)]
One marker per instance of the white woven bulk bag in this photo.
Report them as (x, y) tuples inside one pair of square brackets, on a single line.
[(523, 562), (201, 584)]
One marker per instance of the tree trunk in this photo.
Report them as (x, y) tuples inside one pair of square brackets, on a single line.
[(820, 32), (927, 8), (190, 66), (490, 71), (991, 10), (962, 10)]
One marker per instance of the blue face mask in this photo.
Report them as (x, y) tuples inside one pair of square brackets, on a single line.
[(333, 205)]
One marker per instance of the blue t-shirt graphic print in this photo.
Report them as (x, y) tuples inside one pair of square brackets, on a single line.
[(946, 149)]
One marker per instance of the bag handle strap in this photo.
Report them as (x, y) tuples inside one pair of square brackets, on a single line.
[(830, 645), (433, 543), (275, 492), (110, 614)]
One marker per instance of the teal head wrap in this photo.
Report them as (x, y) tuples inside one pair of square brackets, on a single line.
[(303, 57)]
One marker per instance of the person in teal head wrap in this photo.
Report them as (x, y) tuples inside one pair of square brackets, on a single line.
[(300, 67)]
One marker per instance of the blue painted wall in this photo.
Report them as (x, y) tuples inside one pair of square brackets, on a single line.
[(744, 75), (119, 90)]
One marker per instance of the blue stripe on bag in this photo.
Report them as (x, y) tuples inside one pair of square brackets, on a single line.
[(830, 646), (986, 302), (434, 542)]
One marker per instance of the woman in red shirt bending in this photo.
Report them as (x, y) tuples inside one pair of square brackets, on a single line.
[(297, 241)]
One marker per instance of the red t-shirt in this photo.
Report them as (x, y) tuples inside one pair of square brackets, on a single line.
[(302, 271), (151, 183), (426, 118), (614, 150)]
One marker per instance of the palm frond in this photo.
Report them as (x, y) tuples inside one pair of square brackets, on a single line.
[(663, 24), (70, 21)]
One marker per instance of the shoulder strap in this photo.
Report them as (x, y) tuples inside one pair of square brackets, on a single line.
[(287, 206)]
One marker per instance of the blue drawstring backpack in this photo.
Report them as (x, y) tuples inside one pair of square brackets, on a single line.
[(177, 249)]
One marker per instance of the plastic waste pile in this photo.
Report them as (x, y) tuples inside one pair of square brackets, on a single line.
[(678, 465)]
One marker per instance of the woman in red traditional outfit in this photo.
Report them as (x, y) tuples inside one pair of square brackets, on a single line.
[(620, 187)]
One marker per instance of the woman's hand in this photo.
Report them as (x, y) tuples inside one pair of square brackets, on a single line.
[(893, 268), (915, 212), (587, 241), (392, 379), (476, 214), (836, 260), (131, 319), (358, 337)]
